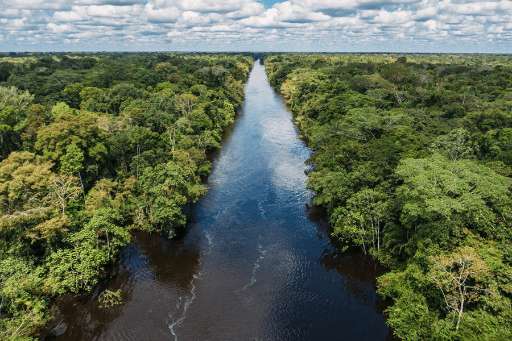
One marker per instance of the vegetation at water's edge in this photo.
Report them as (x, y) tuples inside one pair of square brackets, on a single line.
[(93, 146), (413, 160)]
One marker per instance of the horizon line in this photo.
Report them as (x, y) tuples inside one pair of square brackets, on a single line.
[(253, 52)]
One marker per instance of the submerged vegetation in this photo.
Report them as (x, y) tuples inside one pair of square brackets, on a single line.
[(93, 146), (413, 161)]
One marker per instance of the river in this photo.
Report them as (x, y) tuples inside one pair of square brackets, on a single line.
[(255, 264)]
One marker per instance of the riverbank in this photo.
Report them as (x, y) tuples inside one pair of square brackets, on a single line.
[(255, 262)]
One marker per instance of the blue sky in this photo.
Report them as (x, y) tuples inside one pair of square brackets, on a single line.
[(257, 25), (269, 3)]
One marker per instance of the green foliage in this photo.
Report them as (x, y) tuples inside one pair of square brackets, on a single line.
[(166, 189), (14, 106), (461, 294), (440, 199), (455, 145), (72, 162), (78, 267), (412, 161), (109, 299), (23, 308), (33, 199), (98, 146), (362, 220)]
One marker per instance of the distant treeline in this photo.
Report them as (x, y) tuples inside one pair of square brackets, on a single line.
[(93, 146), (413, 161)]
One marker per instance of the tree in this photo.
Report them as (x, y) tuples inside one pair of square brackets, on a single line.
[(5, 71), (165, 189), (73, 133), (497, 145), (71, 163), (103, 222), (456, 145), (71, 95), (25, 205), (78, 267), (14, 106), (459, 277), (106, 126), (23, 309), (120, 95), (430, 135), (33, 199), (363, 219), (440, 198), (185, 103), (330, 187), (64, 188), (94, 99)]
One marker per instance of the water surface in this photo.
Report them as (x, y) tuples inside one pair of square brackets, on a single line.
[(254, 265)]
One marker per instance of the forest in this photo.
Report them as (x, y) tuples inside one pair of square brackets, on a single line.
[(93, 147), (413, 163)]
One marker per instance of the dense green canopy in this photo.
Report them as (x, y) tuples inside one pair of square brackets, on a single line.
[(93, 146), (412, 159)]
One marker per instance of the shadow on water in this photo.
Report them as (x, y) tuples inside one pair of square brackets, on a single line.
[(149, 270), (256, 262), (357, 269), (350, 264)]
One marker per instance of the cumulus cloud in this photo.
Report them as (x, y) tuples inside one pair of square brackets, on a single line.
[(283, 15), (342, 25)]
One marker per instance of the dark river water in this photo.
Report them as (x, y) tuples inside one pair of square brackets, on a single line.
[(255, 264)]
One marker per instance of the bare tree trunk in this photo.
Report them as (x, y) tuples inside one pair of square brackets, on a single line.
[(108, 244), (378, 235), (82, 185), (138, 159), (459, 316)]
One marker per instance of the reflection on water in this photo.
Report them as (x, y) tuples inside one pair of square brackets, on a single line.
[(153, 270), (256, 264)]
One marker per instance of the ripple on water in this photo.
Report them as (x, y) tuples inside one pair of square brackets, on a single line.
[(252, 265)]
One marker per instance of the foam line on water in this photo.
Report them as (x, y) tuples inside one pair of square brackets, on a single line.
[(188, 302), (209, 240), (183, 307), (255, 268)]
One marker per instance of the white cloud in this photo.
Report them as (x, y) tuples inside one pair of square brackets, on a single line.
[(246, 10), (111, 11), (59, 28), (285, 14), (167, 14), (426, 13), (65, 16), (34, 4), (248, 24), (393, 18), (208, 6)]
